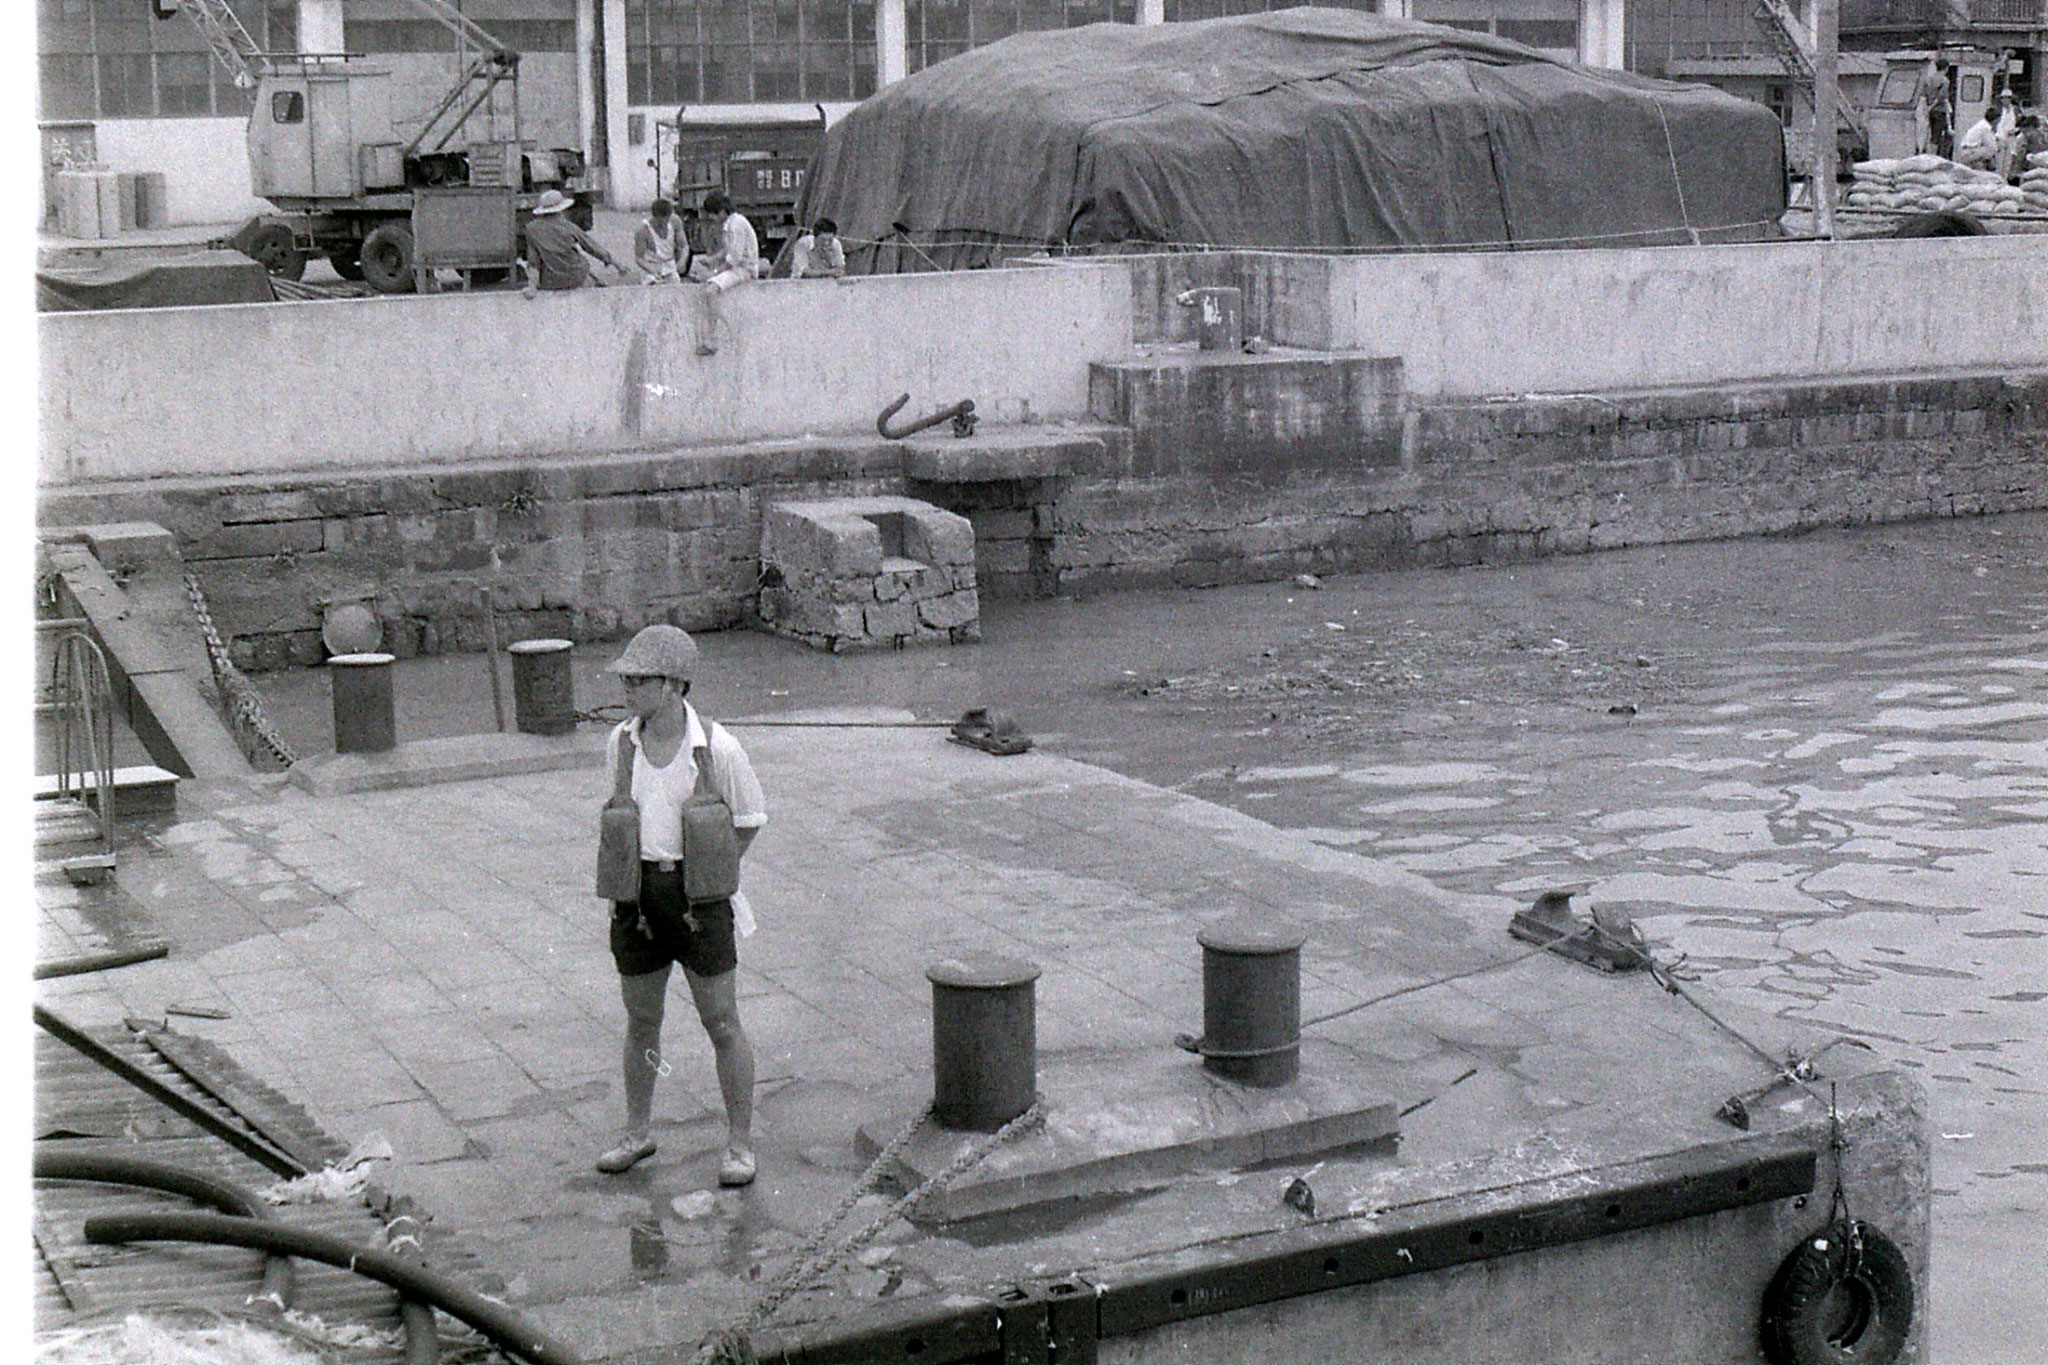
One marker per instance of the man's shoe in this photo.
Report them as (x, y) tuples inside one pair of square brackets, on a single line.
[(707, 350), (737, 1168), (625, 1156)]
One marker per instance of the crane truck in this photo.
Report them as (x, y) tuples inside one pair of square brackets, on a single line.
[(326, 148)]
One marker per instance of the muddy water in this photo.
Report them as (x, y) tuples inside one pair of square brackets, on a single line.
[(1818, 767)]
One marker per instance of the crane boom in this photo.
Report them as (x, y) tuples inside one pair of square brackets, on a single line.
[(226, 39)]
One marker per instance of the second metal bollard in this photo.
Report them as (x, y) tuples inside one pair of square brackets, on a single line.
[(543, 691), (364, 720), (1251, 1000), (984, 1039)]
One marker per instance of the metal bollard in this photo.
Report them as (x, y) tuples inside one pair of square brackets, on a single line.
[(363, 709), (1251, 999), (984, 1039), (543, 691)]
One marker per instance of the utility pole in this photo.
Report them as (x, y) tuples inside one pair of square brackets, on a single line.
[(1826, 40)]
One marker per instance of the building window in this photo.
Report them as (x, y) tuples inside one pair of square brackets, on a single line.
[(424, 35), (1183, 11), (1552, 25), (938, 29), (735, 52), (111, 59)]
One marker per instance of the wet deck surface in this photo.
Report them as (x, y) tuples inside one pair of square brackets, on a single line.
[(1830, 795)]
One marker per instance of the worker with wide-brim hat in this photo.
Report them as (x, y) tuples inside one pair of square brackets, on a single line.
[(670, 748), (556, 247)]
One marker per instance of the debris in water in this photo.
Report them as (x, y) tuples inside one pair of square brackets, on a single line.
[(1307, 580), (139, 1339)]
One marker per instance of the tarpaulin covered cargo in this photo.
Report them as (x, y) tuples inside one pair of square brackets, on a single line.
[(197, 277), (1306, 128)]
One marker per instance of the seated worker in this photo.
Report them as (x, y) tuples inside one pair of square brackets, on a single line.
[(737, 260), (1979, 146), (819, 253), (555, 248), (660, 247)]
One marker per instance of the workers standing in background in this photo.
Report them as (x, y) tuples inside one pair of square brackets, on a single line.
[(660, 247), (1935, 107), (737, 260), (2012, 155), (555, 248), (818, 253)]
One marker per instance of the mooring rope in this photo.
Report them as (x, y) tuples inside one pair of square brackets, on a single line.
[(732, 1344), (252, 729)]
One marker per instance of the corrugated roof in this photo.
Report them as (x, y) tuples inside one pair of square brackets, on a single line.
[(81, 1106)]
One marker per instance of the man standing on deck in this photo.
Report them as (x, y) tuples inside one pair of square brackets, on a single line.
[(679, 758), (737, 260)]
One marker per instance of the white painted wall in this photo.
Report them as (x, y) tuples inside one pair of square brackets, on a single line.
[(414, 380), (204, 161), (1577, 321)]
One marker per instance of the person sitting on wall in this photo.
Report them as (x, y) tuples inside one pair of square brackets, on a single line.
[(660, 247), (1979, 148), (819, 253), (555, 248), (737, 260)]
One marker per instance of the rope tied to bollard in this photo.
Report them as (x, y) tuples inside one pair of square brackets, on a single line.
[(252, 728), (732, 1343)]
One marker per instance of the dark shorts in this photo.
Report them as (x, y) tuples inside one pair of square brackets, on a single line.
[(707, 950)]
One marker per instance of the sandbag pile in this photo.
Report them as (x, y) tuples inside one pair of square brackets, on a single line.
[(1933, 184), (2034, 183)]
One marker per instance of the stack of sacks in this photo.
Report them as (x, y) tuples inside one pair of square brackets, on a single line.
[(1931, 184), (1875, 184), (2034, 183)]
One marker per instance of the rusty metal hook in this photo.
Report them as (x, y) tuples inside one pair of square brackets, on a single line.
[(961, 415)]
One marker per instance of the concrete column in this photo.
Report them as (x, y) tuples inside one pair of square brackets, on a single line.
[(586, 89), (1151, 12), (320, 26), (616, 150), (1826, 33), (1602, 40), (892, 44)]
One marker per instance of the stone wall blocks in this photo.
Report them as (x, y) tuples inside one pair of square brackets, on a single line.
[(257, 539), (274, 504)]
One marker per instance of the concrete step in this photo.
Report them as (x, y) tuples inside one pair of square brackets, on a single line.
[(143, 789)]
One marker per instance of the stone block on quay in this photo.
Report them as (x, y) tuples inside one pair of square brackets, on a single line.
[(950, 612), (889, 621), (128, 546)]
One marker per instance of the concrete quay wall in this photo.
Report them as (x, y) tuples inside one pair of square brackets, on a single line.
[(404, 381), (590, 548), (1482, 481), (1479, 324)]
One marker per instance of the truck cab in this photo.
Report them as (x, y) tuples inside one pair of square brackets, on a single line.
[(760, 162), (1895, 119)]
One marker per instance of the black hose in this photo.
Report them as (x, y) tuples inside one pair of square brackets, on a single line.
[(107, 1169), (505, 1328)]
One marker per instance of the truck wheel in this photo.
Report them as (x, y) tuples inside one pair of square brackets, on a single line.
[(387, 258), (272, 245), (347, 261)]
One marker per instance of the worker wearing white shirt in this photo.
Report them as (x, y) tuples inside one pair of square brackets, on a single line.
[(737, 260), (818, 253)]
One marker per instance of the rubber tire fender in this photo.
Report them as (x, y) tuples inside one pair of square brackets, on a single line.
[(1801, 1326)]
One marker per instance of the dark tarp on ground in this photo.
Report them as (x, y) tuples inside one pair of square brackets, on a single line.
[(1305, 128), (167, 282)]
